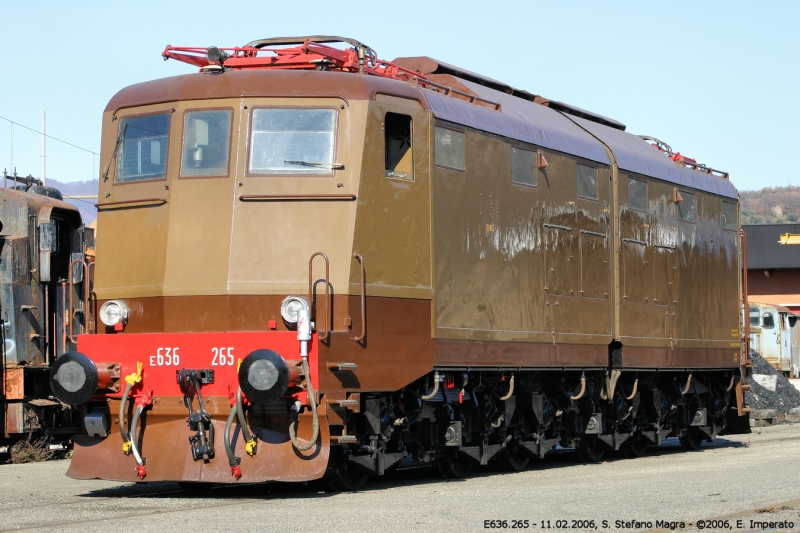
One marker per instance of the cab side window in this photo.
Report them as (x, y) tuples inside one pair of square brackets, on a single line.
[(686, 208), (637, 194), (450, 149), (728, 215), (587, 182), (398, 151), (523, 166), (755, 317), (769, 321)]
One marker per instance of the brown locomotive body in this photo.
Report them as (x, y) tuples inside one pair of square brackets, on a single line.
[(503, 273)]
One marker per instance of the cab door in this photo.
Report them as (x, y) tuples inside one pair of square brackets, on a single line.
[(771, 336)]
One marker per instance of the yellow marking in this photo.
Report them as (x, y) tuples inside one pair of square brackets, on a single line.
[(790, 238), (250, 447), (735, 345), (489, 227), (126, 447), (136, 377), (735, 357), (238, 364)]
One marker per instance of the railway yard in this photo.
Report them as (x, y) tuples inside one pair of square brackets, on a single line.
[(747, 480)]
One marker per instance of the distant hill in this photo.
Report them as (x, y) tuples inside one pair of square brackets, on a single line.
[(771, 205), (79, 188)]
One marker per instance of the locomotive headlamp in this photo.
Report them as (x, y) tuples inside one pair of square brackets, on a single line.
[(113, 312), (73, 378), (214, 54), (290, 308), (264, 376)]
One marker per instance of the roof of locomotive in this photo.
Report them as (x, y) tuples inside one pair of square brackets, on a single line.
[(259, 83), (517, 118)]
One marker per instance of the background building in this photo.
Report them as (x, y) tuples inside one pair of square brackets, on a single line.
[(773, 270)]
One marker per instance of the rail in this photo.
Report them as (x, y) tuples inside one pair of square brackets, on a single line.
[(363, 300), (312, 300)]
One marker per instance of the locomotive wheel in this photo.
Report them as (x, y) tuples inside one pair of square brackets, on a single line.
[(349, 479), (590, 451), (634, 447), (691, 441), (513, 460), (454, 466)]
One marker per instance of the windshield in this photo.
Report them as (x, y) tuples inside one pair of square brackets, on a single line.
[(206, 142), (292, 141), (143, 150)]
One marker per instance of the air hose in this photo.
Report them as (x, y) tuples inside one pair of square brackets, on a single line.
[(134, 423), (510, 389), (130, 381), (583, 389), (123, 425), (299, 444), (233, 461), (435, 388), (251, 444)]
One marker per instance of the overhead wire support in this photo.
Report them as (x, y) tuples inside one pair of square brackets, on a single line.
[(49, 136)]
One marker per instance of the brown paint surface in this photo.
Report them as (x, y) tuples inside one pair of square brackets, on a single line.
[(165, 446)]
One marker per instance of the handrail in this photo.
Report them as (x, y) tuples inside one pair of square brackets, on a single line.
[(363, 300), (71, 289), (746, 302), (144, 202), (89, 281), (311, 300), (295, 197)]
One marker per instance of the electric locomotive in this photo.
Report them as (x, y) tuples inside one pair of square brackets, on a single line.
[(46, 255), (318, 263)]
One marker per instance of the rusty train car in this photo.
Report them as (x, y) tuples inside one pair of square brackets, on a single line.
[(315, 263), (44, 295)]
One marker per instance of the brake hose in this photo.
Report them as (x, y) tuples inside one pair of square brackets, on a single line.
[(135, 422), (123, 429), (233, 461), (315, 424), (130, 381), (250, 442)]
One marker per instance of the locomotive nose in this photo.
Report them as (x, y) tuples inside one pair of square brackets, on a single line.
[(264, 376), (73, 378)]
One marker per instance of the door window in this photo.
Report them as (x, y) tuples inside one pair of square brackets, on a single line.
[(397, 147)]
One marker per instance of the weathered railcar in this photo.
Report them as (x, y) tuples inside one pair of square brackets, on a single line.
[(328, 263), (774, 336), (41, 305)]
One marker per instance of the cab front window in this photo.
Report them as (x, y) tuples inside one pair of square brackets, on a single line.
[(206, 143), (292, 141), (142, 148)]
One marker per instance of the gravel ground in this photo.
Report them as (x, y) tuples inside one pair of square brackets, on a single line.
[(784, 397), (740, 477)]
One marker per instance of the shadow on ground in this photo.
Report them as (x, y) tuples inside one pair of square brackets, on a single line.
[(558, 458)]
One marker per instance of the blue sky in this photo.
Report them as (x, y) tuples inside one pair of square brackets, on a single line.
[(718, 81)]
